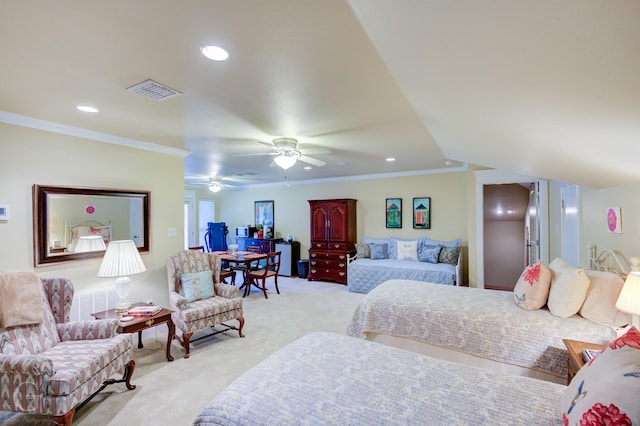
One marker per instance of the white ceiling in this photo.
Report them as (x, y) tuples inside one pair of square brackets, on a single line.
[(546, 88)]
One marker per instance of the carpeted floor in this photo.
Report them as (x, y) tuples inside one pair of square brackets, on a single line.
[(172, 393)]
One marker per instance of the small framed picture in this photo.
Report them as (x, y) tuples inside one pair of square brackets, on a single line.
[(4, 212), (393, 212), (422, 213)]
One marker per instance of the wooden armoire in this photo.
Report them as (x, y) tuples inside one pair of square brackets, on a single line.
[(333, 238)]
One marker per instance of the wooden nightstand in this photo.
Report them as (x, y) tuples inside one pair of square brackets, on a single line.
[(576, 361)]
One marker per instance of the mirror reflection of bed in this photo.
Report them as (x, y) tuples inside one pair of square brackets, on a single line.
[(74, 217)]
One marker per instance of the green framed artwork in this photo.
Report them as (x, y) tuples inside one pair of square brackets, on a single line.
[(422, 213), (393, 212)]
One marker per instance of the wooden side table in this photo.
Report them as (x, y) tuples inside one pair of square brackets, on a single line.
[(140, 322), (576, 360)]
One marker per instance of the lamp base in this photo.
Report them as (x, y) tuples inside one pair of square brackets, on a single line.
[(122, 288), (122, 306)]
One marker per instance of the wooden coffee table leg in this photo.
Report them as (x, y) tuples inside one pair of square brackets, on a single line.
[(140, 340), (172, 331)]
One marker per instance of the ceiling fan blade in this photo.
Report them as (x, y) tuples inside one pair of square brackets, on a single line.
[(315, 151), (312, 161), (253, 154)]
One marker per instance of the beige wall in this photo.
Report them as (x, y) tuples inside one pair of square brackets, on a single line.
[(33, 156)]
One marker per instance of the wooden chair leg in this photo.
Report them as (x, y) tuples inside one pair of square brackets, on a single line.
[(241, 321), (264, 288), (128, 373), (275, 277), (66, 419), (185, 343)]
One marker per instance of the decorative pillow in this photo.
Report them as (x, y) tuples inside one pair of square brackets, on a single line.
[(605, 391), (367, 240), (452, 243), (104, 231), (379, 251), (532, 289), (427, 253), (393, 247), (407, 250), (197, 285), (600, 303), (363, 251), (569, 287), (449, 255)]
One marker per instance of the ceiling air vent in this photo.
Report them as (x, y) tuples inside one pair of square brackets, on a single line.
[(153, 90)]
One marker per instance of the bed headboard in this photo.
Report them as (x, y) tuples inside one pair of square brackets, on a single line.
[(609, 260), (88, 227)]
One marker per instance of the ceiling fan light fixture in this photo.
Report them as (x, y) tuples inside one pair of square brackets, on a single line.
[(215, 187), (285, 160)]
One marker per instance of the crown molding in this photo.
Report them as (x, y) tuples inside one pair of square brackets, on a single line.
[(50, 126)]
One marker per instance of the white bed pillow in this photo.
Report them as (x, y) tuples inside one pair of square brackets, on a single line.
[(568, 291), (600, 303), (407, 250), (532, 289)]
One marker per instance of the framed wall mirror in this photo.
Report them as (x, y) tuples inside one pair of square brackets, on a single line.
[(72, 223)]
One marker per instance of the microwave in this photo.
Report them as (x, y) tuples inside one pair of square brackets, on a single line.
[(245, 231)]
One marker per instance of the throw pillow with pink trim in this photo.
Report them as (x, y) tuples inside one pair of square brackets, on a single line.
[(532, 289), (606, 390)]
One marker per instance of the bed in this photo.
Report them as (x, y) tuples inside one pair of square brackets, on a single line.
[(330, 379), (472, 326), (73, 232), (365, 271)]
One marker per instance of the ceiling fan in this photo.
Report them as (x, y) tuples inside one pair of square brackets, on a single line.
[(286, 153), (214, 183)]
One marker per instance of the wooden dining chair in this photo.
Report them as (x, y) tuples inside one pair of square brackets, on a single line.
[(242, 268), (260, 275), (224, 273)]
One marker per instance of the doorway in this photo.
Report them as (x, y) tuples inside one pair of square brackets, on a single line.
[(570, 223), (496, 177), (507, 234)]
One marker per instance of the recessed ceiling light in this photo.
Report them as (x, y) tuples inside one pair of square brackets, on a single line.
[(87, 108), (214, 53), (389, 159), (307, 167)]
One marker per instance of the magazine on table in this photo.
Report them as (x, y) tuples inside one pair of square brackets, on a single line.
[(144, 310)]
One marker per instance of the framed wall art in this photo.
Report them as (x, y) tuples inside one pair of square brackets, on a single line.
[(422, 213), (263, 211), (393, 212), (614, 222)]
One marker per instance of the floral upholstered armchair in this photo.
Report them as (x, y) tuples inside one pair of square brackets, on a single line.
[(198, 298), (55, 366)]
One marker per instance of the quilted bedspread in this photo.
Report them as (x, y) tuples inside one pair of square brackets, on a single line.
[(330, 379), (363, 275), (485, 323)]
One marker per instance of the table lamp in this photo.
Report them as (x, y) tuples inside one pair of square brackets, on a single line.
[(120, 260), (90, 243), (629, 299)]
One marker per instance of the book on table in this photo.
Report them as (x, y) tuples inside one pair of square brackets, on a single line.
[(589, 354), (144, 310)]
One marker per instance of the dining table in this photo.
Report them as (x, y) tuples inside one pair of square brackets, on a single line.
[(243, 258)]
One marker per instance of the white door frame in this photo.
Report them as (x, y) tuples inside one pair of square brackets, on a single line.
[(190, 201), (495, 177)]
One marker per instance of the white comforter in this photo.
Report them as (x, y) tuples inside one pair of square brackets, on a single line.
[(484, 323), (330, 379)]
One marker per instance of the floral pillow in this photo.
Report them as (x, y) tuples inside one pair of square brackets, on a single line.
[(379, 251), (427, 253), (605, 391), (362, 251), (532, 289), (449, 255), (197, 285)]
